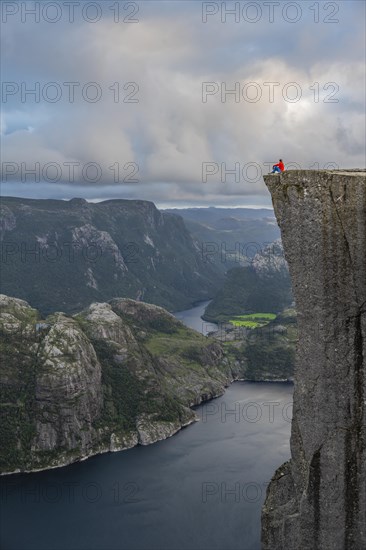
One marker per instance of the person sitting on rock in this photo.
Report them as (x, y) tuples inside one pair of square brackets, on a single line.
[(278, 168)]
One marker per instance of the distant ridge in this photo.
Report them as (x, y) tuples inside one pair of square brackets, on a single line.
[(65, 254)]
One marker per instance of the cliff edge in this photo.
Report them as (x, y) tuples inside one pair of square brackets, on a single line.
[(317, 500)]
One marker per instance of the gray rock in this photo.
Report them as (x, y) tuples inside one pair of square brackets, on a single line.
[(73, 387), (318, 499), (7, 220), (270, 260), (68, 389)]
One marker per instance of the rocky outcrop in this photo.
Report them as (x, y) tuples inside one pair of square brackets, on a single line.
[(68, 391), (271, 260), (111, 377), (317, 500), (7, 221)]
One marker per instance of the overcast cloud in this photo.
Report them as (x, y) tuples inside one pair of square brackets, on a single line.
[(161, 143)]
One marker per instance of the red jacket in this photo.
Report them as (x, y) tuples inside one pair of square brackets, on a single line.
[(281, 166)]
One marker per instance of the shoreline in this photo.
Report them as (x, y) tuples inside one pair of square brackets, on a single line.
[(126, 448), (102, 451)]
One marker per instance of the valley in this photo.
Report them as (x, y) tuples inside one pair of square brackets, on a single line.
[(79, 381)]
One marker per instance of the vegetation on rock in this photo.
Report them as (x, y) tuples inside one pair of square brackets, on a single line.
[(114, 375)]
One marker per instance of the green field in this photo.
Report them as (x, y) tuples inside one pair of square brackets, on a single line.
[(252, 320)]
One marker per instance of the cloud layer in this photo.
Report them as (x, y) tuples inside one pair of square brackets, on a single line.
[(152, 133)]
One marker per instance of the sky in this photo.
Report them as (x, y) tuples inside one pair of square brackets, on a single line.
[(183, 103)]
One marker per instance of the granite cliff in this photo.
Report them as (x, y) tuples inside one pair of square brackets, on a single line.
[(113, 376), (317, 500)]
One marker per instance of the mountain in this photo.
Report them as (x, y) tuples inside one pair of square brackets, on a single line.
[(230, 237), (318, 498), (264, 287), (63, 255), (108, 378), (213, 214), (266, 353), (269, 351)]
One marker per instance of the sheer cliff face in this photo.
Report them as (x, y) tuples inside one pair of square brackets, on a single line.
[(318, 499)]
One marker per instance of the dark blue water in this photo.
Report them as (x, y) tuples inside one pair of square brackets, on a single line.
[(201, 489), (192, 318)]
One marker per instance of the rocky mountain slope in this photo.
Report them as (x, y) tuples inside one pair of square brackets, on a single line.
[(317, 500), (265, 353), (63, 255), (269, 351), (113, 376), (263, 286), (230, 237)]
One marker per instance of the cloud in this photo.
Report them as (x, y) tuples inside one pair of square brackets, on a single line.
[(164, 139)]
